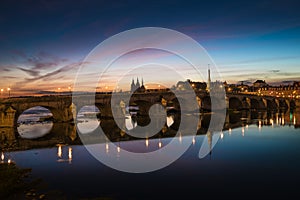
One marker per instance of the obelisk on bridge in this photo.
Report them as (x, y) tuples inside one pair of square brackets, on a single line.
[(208, 81)]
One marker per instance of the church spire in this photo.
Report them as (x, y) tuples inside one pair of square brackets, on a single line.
[(133, 87), (137, 83)]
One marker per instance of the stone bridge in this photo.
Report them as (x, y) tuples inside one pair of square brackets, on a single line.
[(254, 102), (63, 109)]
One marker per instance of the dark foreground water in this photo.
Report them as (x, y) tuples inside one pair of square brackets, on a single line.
[(250, 161)]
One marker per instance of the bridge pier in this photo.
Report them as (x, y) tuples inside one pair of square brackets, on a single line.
[(7, 117)]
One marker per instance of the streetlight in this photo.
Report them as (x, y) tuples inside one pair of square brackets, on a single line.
[(8, 89), (58, 89)]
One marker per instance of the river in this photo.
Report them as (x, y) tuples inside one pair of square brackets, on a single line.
[(254, 157)]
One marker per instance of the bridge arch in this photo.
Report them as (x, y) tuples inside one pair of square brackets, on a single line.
[(283, 104), (257, 104), (103, 109), (35, 122), (288, 103), (271, 104), (176, 104), (206, 103), (277, 102), (58, 114), (143, 107), (235, 103), (246, 103), (88, 118), (293, 104), (199, 101), (264, 103)]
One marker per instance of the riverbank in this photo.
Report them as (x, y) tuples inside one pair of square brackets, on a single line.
[(16, 183)]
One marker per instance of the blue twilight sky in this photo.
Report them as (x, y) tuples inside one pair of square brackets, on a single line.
[(42, 43)]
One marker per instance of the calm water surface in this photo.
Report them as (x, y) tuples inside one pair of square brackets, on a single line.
[(251, 161)]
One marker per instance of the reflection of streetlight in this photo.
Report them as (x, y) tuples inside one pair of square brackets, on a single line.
[(118, 149), (58, 89), (59, 151), (147, 142), (180, 138), (70, 155), (106, 147), (2, 91), (159, 144)]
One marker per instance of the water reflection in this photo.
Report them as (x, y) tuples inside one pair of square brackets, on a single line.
[(65, 133), (147, 142), (194, 140), (59, 151), (107, 147), (159, 143), (237, 124), (60, 157), (70, 154), (6, 158), (36, 130)]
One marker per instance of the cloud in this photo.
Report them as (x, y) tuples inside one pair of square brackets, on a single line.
[(5, 68), (57, 74), (275, 70), (38, 61), (30, 71), (44, 60), (9, 77), (66, 68)]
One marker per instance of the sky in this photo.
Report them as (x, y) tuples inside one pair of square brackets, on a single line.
[(44, 43)]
